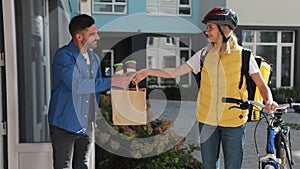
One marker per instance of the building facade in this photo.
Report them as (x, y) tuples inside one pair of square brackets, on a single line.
[(155, 33), (272, 30)]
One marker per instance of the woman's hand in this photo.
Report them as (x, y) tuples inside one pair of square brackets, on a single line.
[(271, 106), (139, 76)]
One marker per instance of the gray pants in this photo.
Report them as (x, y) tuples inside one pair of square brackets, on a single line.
[(70, 150)]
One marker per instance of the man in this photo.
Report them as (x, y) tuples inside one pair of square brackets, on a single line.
[(76, 86)]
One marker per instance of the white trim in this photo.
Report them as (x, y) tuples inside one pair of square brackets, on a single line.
[(34, 148), (47, 53), (2, 130), (278, 60), (11, 82), (1, 123), (85, 7), (293, 61)]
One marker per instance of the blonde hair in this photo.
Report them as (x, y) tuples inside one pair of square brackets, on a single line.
[(231, 44)]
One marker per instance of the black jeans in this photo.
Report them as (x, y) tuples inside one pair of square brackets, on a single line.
[(70, 150)]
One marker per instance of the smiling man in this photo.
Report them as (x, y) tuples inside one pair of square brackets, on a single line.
[(76, 85)]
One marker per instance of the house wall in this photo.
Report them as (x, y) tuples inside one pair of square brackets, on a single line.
[(267, 13), (138, 7), (263, 15), (205, 6)]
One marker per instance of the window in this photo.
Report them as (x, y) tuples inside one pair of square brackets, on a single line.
[(170, 41), (110, 6), (278, 48), (169, 7), (167, 52), (149, 41), (107, 62)]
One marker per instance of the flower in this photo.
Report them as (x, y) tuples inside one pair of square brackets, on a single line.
[(104, 137), (114, 144)]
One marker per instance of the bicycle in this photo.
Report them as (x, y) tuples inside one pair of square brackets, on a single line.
[(278, 149)]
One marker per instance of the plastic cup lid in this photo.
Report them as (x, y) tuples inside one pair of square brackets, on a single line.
[(130, 61), (118, 64)]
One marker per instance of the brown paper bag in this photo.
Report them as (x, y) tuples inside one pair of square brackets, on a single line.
[(129, 106)]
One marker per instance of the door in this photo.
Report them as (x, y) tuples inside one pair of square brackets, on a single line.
[(27, 63), (3, 137), (33, 70)]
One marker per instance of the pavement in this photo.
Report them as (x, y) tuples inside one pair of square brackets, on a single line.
[(183, 115)]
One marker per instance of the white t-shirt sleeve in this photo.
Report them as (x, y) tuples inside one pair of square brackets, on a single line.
[(253, 67), (194, 62)]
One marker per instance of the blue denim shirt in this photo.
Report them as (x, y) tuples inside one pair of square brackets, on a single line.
[(72, 86)]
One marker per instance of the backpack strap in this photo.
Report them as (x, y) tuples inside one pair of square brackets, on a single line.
[(203, 53), (202, 57), (246, 53)]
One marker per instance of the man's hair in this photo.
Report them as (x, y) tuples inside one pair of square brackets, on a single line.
[(79, 23)]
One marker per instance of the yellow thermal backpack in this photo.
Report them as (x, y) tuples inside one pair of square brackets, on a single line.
[(253, 92)]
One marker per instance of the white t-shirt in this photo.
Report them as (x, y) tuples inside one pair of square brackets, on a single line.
[(86, 57), (194, 63)]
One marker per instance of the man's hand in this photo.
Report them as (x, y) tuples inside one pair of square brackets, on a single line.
[(121, 81)]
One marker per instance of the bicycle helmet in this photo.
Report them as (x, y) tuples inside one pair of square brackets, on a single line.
[(221, 16)]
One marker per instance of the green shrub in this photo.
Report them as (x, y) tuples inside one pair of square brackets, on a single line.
[(168, 157), (175, 158), (281, 94), (293, 125)]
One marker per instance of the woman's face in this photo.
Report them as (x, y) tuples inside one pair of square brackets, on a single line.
[(212, 32)]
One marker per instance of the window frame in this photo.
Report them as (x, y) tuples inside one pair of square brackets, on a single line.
[(111, 53), (177, 6), (279, 45), (113, 3)]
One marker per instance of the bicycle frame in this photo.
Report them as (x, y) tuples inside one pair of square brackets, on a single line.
[(278, 149), (278, 143)]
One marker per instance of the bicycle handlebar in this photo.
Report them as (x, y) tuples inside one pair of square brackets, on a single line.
[(244, 104), (232, 100), (240, 101)]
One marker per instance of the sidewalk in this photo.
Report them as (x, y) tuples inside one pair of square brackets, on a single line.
[(173, 109)]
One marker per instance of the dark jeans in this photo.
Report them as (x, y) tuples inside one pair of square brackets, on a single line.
[(70, 150), (232, 140)]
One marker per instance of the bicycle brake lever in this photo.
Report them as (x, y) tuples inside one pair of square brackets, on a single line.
[(245, 105)]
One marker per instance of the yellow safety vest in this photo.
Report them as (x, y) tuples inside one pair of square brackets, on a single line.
[(220, 77)]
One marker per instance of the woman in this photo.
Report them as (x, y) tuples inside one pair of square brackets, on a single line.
[(220, 77)]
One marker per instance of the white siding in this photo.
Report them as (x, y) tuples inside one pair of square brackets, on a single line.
[(266, 12)]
